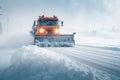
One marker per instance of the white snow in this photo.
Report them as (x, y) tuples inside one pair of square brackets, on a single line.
[(20, 60), (31, 62)]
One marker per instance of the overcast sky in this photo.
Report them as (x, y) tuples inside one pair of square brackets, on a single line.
[(76, 14), (63, 6)]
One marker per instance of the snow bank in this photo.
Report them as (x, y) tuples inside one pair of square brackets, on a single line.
[(34, 63), (9, 43)]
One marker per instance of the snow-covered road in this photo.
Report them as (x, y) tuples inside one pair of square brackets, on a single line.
[(24, 61), (101, 59), (67, 63)]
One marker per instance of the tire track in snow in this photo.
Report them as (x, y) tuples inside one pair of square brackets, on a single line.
[(87, 55), (101, 51), (103, 58)]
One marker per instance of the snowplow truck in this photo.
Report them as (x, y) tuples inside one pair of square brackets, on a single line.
[(46, 32)]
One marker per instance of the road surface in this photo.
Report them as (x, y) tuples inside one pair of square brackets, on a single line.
[(101, 59)]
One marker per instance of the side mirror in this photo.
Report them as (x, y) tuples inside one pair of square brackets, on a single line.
[(61, 23), (34, 23)]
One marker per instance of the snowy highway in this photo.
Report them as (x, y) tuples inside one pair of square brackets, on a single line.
[(93, 25), (24, 61)]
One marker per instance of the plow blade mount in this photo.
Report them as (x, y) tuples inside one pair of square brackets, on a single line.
[(55, 41)]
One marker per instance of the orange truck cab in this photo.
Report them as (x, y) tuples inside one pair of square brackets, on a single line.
[(47, 26)]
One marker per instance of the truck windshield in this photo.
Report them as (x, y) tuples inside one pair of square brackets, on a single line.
[(48, 23)]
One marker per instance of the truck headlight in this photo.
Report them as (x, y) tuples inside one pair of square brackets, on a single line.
[(57, 31), (42, 30)]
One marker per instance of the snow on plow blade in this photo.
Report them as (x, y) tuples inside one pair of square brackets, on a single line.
[(55, 41)]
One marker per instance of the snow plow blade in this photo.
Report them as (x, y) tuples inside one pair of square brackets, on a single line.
[(55, 41)]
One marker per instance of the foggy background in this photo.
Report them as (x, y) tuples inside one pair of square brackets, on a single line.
[(78, 15)]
